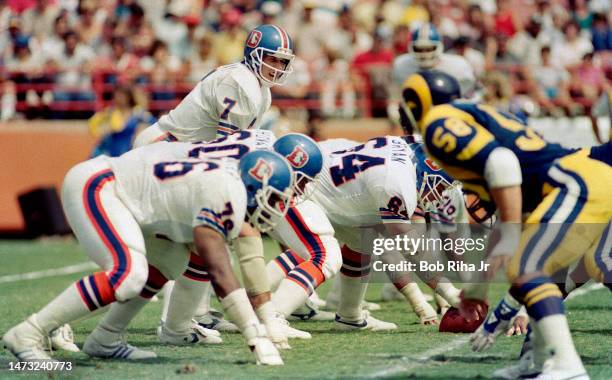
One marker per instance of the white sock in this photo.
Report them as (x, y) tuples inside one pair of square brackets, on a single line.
[(449, 292), (207, 291), (275, 274), (66, 307), (288, 297), (333, 296), (238, 309), (185, 300), (556, 337), (167, 291), (121, 314), (413, 294), (352, 293), (7, 106)]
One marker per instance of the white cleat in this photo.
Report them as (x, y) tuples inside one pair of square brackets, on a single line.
[(316, 300), (25, 341), (262, 347), (62, 338), (105, 344), (552, 372), (367, 322), (213, 320), (310, 312), (524, 368), (196, 335)]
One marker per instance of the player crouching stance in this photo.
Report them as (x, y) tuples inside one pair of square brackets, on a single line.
[(115, 205), (512, 168)]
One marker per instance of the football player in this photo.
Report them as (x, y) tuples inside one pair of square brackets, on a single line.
[(123, 209), (427, 53), (512, 169), (304, 229), (232, 97), (365, 190)]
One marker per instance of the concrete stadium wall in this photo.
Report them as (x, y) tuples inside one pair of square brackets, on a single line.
[(40, 153)]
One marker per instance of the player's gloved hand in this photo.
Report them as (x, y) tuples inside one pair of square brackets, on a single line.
[(482, 339), (518, 326)]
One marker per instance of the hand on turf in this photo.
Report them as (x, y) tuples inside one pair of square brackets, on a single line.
[(518, 325)]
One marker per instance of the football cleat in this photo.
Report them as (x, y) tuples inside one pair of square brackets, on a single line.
[(291, 332), (105, 344), (552, 372), (524, 368), (25, 342), (316, 300), (309, 312), (213, 320), (196, 335), (62, 338), (367, 322), (262, 347)]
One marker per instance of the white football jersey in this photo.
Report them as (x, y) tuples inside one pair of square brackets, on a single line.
[(451, 64), (169, 197), (369, 184), (226, 100)]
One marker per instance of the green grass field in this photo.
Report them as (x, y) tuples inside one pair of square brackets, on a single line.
[(413, 351)]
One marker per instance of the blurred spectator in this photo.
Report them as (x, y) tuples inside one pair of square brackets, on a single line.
[(228, 45), (309, 37), (90, 23), (27, 69), (498, 91), (401, 40), (118, 124), (505, 20), (601, 33), (475, 26), (525, 45), (120, 66), (336, 81), (581, 14), (74, 63), (474, 57), (497, 53), (40, 19), (163, 70), (588, 80), (570, 52), (172, 31), (346, 39), (550, 85), (54, 41), (202, 61), (416, 13), (374, 68)]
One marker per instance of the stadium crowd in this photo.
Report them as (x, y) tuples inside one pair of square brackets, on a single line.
[(63, 58)]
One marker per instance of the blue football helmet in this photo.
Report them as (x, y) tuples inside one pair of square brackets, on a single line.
[(426, 46), (269, 40), (268, 180), (432, 181), (306, 159)]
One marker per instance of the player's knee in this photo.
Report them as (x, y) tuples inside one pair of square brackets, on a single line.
[(135, 280), (333, 261)]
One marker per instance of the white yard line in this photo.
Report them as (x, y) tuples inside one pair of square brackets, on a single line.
[(76, 268), (423, 359)]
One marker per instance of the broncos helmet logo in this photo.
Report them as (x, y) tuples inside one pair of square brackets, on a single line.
[(254, 38), (261, 170), (298, 157), (432, 165)]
